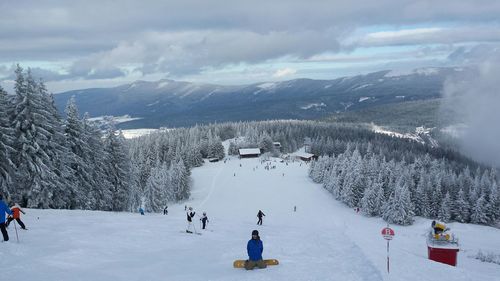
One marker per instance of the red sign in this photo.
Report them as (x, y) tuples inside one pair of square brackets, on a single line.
[(387, 233)]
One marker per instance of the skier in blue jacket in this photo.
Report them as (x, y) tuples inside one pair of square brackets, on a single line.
[(255, 248), (4, 209)]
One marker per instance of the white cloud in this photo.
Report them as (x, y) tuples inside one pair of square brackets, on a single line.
[(474, 98), (109, 39), (427, 36), (280, 73)]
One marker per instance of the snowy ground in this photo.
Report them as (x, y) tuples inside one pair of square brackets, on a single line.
[(135, 133), (323, 240)]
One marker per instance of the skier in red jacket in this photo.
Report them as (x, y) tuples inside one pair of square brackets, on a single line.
[(16, 210)]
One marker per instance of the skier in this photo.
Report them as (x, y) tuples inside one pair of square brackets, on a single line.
[(165, 211), (16, 210), (255, 247), (141, 210), (204, 220), (190, 214), (4, 209), (260, 214)]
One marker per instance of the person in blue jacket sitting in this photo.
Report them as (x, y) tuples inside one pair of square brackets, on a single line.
[(4, 209), (255, 247)]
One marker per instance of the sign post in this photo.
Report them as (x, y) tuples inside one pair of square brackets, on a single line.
[(388, 234)]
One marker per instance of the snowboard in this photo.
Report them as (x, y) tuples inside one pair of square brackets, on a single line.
[(241, 263)]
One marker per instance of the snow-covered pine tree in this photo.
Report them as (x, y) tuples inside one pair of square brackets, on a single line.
[(354, 182), (35, 171), (205, 145), (77, 141), (373, 199), (157, 188), (58, 152), (494, 202), (194, 156), (135, 195), (399, 208), (118, 169), (266, 143), (436, 195), (478, 214), (318, 171), (368, 201), (380, 200), (461, 208), (216, 149), (6, 142), (180, 181), (421, 201), (233, 148), (445, 210), (96, 159)]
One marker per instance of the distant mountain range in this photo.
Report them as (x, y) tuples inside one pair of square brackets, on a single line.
[(168, 103)]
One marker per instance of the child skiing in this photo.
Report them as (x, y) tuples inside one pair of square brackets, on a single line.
[(4, 209), (16, 210), (204, 220), (165, 211), (260, 214), (255, 247), (141, 210), (190, 215)]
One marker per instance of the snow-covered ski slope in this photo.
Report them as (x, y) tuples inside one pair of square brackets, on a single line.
[(322, 240)]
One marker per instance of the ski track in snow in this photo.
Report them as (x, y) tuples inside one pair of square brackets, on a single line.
[(212, 187), (323, 240)]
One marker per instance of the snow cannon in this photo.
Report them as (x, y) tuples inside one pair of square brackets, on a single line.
[(442, 245), (440, 231)]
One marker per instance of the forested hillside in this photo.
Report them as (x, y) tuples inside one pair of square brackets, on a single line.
[(50, 162)]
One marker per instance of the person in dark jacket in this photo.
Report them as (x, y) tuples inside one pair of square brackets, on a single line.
[(204, 220), (260, 214), (165, 210), (255, 247), (4, 209)]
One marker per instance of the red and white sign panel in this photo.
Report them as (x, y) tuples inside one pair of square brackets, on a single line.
[(387, 233)]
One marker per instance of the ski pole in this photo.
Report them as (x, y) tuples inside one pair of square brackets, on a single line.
[(15, 227)]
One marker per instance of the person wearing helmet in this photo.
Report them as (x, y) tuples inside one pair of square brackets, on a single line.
[(190, 215), (204, 220), (4, 209), (255, 247), (16, 210)]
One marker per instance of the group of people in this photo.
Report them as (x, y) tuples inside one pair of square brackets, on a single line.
[(190, 213), (165, 210), (14, 213), (255, 246)]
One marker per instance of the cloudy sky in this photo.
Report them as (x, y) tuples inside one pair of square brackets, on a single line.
[(98, 43)]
